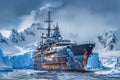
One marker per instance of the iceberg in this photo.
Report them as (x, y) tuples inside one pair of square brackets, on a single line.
[(94, 62), (5, 64), (24, 61)]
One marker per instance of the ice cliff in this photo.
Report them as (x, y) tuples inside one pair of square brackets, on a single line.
[(94, 62), (5, 64), (24, 61)]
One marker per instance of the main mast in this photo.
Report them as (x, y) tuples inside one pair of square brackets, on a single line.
[(49, 23)]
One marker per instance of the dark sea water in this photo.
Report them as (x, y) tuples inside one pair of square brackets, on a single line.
[(54, 75)]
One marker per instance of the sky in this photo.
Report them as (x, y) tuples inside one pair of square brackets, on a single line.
[(82, 18)]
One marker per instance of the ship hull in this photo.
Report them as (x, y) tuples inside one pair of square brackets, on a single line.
[(70, 58)]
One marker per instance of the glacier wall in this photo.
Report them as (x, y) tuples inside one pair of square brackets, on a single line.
[(8, 63), (5, 64), (24, 61)]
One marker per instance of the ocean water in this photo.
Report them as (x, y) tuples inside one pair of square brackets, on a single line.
[(54, 75)]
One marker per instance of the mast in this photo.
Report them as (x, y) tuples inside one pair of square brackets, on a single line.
[(49, 23)]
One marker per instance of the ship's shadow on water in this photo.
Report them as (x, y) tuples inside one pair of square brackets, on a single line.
[(53, 75)]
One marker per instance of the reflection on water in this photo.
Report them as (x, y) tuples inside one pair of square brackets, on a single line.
[(53, 75)]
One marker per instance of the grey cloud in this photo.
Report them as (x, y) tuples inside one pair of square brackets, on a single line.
[(97, 5), (11, 10)]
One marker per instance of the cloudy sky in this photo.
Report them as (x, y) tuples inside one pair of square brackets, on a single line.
[(82, 18)]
